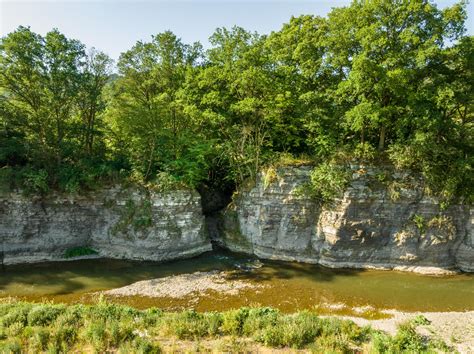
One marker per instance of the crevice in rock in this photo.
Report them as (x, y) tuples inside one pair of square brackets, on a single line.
[(214, 230), (215, 197)]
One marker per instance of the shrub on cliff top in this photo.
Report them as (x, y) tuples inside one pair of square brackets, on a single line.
[(327, 181)]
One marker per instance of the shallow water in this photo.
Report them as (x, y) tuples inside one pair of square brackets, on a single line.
[(287, 286)]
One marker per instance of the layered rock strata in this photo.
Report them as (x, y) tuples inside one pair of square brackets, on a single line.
[(118, 223), (381, 221)]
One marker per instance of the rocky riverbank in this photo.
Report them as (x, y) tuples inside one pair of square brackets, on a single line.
[(455, 328), (179, 286)]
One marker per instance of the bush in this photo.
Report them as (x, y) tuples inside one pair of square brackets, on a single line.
[(407, 339), (381, 342), (365, 152), (291, 331), (63, 337), (96, 335), (145, 346), (105, 311), (420, 320), (419, 222), (15, 314), (446, 170), (36, 181), (39, 340), (258, 319), (11, 346), (73, 316), (44, 315), (328, 181), (192, 325), (152, 317), (120, 332), (233, 321), (165, 182), (332, 344), (78, 252)]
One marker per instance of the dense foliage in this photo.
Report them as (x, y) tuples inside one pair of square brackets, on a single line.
[(377, 80), (106, 327)]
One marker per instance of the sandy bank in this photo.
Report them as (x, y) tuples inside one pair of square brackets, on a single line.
[(455, 328)]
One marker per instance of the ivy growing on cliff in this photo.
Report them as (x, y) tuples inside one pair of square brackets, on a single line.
[(134, 215)]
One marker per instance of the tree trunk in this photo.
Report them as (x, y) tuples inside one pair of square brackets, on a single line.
[(175, 134), (150, 159), (382, 138), (91, 131)]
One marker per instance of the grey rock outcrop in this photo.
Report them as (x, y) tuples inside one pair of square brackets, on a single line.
[(118, 223), (374, 225)]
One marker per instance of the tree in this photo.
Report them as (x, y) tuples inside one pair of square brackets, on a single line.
[(442, 119), (40, 78), (95, 75), (376, 79), (385, 50), (146, 108), (303, 112), (230, 92), (47, 83)]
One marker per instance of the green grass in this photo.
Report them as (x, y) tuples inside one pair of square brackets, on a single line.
[(79, 251), (104, 327)]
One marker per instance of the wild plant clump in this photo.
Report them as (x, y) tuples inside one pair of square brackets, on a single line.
[(104, 327)]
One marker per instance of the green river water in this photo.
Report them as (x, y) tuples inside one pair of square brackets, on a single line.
[(287, 286)]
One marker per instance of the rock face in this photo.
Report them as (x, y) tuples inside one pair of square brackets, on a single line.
[(118, 223), (380, 222), (375, 224)]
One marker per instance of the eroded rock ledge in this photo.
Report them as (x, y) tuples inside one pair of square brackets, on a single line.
[(374, 225), (118, 223)]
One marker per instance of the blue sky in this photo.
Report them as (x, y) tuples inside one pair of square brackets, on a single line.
[(114, 26)]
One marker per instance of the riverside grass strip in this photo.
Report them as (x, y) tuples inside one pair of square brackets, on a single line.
[(106, 327)]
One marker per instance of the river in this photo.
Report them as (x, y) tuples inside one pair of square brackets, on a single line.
[(284, 285)]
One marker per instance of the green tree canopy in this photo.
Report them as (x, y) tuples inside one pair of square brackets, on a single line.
[(380, 80), (147, 114)]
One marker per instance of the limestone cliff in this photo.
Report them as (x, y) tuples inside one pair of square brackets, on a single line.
[(373, 225), (118, 223)]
